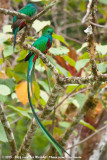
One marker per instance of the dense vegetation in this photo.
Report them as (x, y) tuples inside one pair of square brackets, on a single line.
[(71, 54)]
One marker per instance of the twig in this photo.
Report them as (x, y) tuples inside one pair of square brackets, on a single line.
[(69, 95), (14, 13), (103, 90), (44, 11), (88, 11), (98, 25), (90, 35), (100, 147), (87, 138), (9, 133), (71, 39)]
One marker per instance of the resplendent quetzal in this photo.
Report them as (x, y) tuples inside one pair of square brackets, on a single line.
[(18, 23), (42, 44)]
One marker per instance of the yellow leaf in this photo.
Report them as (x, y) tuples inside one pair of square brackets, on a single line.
[(21, 91)]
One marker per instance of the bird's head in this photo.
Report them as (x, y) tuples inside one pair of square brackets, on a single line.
[(47, 31)]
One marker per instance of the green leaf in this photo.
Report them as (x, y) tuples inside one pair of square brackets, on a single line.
[(7, 28), (37, 90), (87, 125), (43, 95), (60, 69), (8, 82), (23, 54), (8, 51), (71, 87), (3, 137), (102, 67), (20, 111), (61, 50), (60, 38), (78, 100), (84, 45), (39, 25), (64, 124), (44, 85), (4, 90), (101, 49), (70, 60), (81, 63), (105, 122), (3, 98), (1, 61), (57, 131), (104, 1)]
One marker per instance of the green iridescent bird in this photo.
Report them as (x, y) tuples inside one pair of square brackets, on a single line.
[(18, 23), (42, 44)]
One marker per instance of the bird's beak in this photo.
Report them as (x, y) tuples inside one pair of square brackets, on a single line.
[(53, 34)]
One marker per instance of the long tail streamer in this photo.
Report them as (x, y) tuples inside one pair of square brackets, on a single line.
[(58, 147)]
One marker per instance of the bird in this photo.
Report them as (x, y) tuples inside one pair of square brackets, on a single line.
[(43, 44), (18, 23)]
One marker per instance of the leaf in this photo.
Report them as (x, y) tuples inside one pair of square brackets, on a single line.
[(3, 137), (8, 51), (69, 60), (84, 45), (4, 90), (81, 63), (39, 25), (3, 98), (1, 61), (23, 54), (7, 28), (102, 67), (104, 1), (36, 90), (81, 98), (61, 50), (8, 82), (101, 49), (60, 38), (78, 100), (71, 87), (20, 111), (44, 85), (21, 91), (44, 95), (57, 131), (87, 125), (64, 124), (60, 69)]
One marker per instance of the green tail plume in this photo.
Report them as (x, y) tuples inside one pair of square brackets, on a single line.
[(15, 34), (58, 147)]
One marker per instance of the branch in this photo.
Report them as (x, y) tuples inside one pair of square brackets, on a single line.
[(90, 35), (27, 18), (88, 104), (87, 138), (44, 11), (9, 133), (14, 13), (52, 100), (25, 146), (98, 151), (41, 55), (60, 79)]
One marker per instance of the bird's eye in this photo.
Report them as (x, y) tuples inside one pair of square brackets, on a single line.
[(48, 31)]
